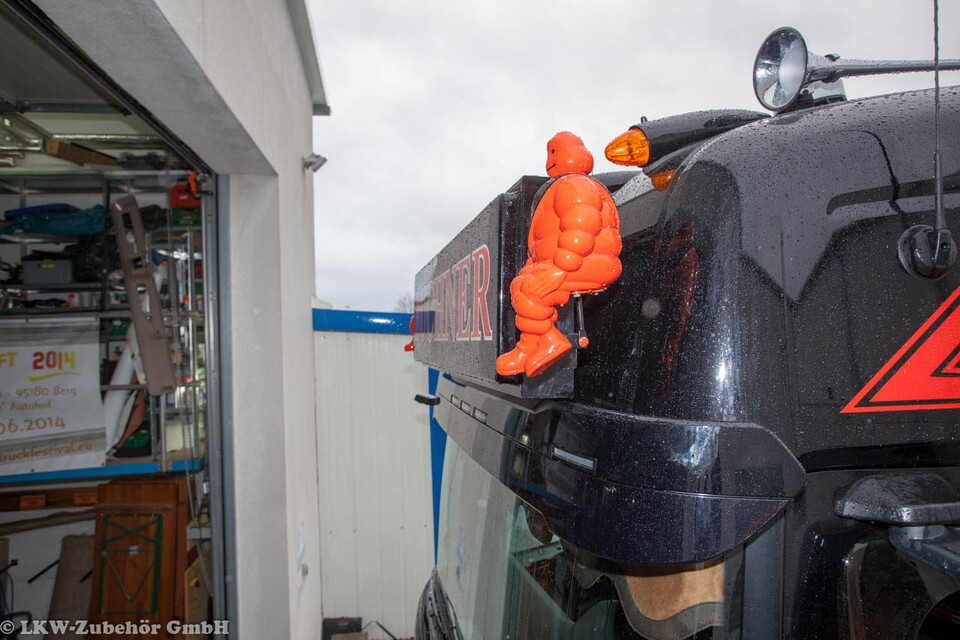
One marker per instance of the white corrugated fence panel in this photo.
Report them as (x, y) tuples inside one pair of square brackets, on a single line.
[(373, 441)]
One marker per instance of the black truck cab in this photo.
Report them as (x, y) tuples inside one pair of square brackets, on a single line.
[(762, 439)]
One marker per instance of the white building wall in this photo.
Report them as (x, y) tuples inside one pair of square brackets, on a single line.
[(249, 52), (226, 77), (375, 485)]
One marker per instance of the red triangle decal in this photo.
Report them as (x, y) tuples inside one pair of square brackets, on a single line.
[(924, 373), (950, 366)]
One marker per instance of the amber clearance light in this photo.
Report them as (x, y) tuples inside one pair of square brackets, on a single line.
[(662, 179), (630, 148)]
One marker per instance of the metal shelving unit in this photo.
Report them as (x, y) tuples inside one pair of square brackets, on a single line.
[(183, 302)]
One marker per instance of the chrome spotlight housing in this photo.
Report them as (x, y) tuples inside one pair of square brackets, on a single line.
[(780, 69)]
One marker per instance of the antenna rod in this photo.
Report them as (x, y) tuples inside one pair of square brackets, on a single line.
[(924, 251), (941, 222)]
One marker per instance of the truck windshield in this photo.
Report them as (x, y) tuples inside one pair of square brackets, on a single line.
[(507, 576)]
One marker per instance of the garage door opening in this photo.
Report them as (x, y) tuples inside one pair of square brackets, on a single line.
[(108, 346)]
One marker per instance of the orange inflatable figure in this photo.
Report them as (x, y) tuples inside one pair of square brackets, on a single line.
[(572, 248)]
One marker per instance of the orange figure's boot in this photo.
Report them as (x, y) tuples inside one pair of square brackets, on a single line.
[(512, 362), (550, 347)]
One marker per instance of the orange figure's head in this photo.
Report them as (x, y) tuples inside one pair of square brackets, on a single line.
[(566, 154)]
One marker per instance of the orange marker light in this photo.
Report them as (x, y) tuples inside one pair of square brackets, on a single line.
[(662, 180), (409, 345), (630, 148)]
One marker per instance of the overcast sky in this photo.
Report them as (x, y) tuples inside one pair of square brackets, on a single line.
[(438, 106)]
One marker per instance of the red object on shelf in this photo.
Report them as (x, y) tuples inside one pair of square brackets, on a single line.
[(180, 196), (192, 183)]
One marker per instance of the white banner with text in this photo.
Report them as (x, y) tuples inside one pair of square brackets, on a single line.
[(51, 414)]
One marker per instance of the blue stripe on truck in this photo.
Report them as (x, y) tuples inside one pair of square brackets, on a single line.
[(438, 448)]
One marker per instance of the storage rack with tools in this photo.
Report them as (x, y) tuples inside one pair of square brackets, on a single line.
[(174, 246)]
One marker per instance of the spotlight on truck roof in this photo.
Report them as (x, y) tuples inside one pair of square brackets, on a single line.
[(780, 69), (786, 75)]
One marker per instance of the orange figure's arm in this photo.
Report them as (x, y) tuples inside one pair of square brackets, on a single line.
[(546, 279), (578, 203)]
